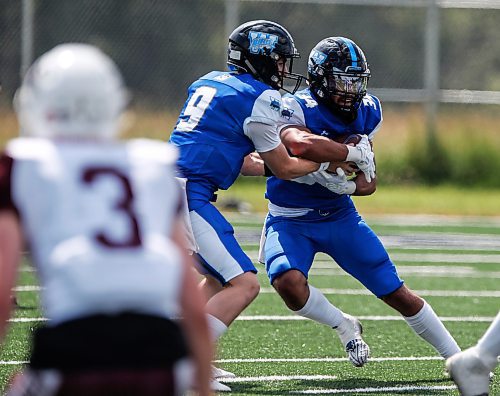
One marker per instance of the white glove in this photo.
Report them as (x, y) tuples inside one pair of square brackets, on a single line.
[(337, 183), (362, 155)]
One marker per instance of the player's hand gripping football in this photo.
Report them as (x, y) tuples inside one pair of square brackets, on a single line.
[(339, 184), (363, 156)]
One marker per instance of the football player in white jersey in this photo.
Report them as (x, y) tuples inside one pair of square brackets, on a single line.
[(471, 369), (227, 116), (101, 220)]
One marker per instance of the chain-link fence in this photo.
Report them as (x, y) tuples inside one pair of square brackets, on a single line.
[(162, 46)]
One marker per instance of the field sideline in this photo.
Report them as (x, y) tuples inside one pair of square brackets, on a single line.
[(454, 262)]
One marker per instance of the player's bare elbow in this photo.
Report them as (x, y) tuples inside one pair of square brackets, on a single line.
[(296, 148), (283, 172)]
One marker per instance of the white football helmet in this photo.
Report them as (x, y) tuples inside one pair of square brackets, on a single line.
[(73, 90)]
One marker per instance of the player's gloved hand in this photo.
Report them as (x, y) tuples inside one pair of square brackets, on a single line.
[(339, 184), (363, 156)]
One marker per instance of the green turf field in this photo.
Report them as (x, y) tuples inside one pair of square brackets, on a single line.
[(453, 262)]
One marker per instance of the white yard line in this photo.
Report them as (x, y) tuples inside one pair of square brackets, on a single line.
[(285, 360), (326, 360), (423, 293), (26, 320), (465, 258), (277, 378), (27, 288), (417, 274), (265, 318), (12, 362), (353, 292), (368, 317), (382, 389)]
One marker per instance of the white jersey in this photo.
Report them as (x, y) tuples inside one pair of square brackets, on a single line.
[(97, 219)]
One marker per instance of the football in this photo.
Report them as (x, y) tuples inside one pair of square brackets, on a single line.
[(348, 138), (351, 139)]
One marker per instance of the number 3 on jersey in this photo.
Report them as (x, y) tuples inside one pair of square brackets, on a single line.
[(195, 108)]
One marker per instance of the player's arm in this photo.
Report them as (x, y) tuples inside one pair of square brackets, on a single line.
[(194, 318), (363, 187), (253, 165), (262, 129), (264, 136), (10, 256), (10, 242), (285, 167), (302, 143)]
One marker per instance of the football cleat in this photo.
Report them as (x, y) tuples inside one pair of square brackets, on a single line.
[(217, 372), (469, 373), (357, 349), (358, 352), (217, 386)]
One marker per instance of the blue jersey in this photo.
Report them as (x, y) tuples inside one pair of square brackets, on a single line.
[(212, 129), (302, 109)]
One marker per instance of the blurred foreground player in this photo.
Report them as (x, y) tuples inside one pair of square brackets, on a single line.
[(100, 218), (471, 368)]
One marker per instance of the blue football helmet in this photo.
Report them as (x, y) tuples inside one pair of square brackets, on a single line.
[(338, 74)]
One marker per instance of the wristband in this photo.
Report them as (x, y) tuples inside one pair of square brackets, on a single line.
[(353, 154), (323, 166)]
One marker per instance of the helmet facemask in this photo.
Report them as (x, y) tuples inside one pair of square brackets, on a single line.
[(345, 91)]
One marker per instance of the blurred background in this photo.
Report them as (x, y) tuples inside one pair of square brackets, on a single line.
[(435, 65)]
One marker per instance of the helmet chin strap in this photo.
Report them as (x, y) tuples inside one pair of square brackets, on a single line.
[(254, 72)]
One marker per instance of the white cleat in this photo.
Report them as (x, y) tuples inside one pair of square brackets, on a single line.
[(217, 386), (469, 373), (217, 372), (350, 332)]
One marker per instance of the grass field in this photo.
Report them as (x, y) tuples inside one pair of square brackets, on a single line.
[(453, 262)]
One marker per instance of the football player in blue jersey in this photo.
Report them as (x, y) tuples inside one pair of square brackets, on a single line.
[(309, 214), (227, 116)]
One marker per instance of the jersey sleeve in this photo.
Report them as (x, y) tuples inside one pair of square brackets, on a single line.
[(261, 126), (291, 114), (374, 115), (6, 165)]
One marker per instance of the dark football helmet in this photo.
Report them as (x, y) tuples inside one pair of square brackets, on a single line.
[(338, 74), (258, 48)]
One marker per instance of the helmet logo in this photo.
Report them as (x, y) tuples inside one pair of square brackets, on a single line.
[(262, 43), (316, 58)]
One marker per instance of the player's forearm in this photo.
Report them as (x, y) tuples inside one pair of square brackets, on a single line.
[(195, 326), (364, 188), (313, 147), (296, 167), (201, 348), (10, 250)]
